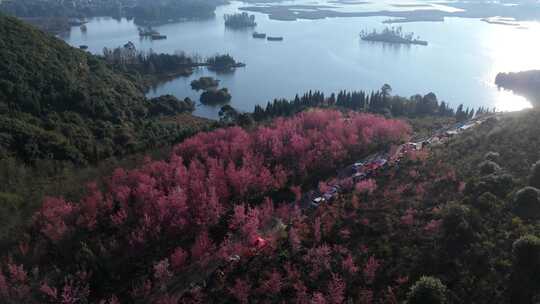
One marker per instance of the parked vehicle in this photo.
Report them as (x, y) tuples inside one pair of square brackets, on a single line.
[(358, 167), (373, 164), (381, 162), (315, 203), (359, 177), (318, 200)]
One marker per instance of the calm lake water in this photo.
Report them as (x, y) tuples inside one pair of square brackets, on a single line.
[(459, 65)]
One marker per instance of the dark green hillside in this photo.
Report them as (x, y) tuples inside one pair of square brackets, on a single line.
[(514, 136), (39, 74), (61, 103)]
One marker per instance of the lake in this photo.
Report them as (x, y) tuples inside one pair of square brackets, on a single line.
[(459, 65)]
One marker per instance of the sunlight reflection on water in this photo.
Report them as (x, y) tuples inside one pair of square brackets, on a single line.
[(507, 101), (512, 50)]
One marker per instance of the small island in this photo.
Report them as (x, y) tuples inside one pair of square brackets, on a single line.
[(215, 96), (501, 21), (274, 38), (241, 20), (147, 31), (204, 83), (392, 35), (223, 63), (259, 35), (150, 33)]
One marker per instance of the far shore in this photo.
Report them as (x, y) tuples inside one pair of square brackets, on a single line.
[(423, 14)]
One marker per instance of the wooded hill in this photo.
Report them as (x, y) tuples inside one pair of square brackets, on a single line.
[(57, 102)]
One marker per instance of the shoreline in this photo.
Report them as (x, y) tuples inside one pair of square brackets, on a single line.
[(461, 10), (412, 42), (151, 81)]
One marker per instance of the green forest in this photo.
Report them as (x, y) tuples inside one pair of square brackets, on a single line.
[(60, 103)]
